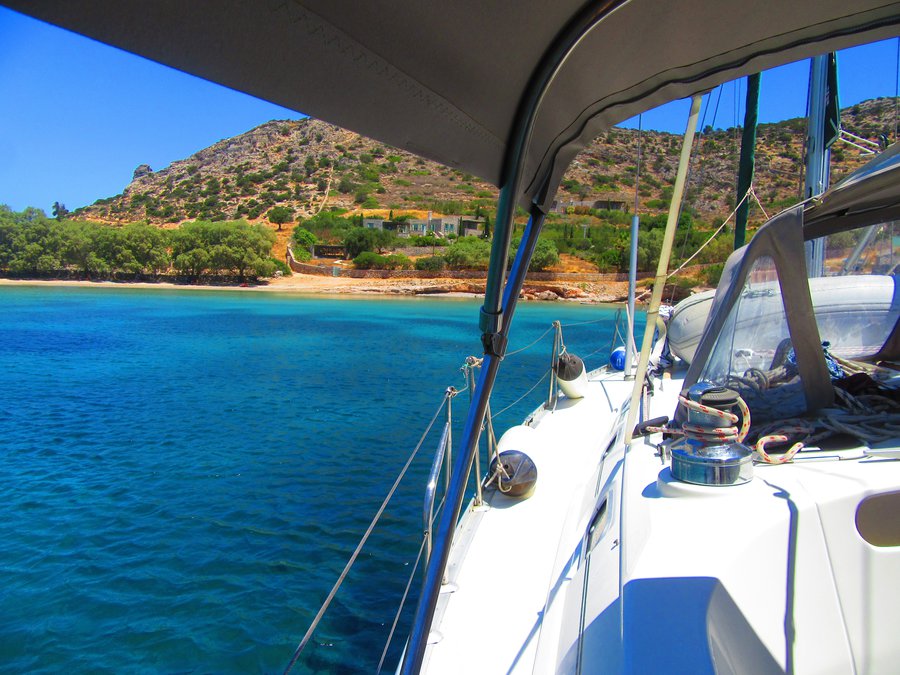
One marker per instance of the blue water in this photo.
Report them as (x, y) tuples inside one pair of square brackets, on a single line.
[(184, 474)]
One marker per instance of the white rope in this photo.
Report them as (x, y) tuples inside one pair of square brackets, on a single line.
[(758, 203), (713, 236), (749, 193)]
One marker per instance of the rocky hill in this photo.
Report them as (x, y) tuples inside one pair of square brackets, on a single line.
[(309, 165)]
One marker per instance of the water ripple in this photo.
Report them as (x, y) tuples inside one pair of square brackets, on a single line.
[(185, 474)]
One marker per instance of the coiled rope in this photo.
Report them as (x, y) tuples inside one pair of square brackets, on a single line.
[(731, 433), (724, 434)]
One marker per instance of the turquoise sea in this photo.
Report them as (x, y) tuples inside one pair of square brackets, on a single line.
[(185, 473)]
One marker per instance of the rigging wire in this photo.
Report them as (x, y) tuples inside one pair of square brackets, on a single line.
[(750, 193), (637, 172), (412, 576), (896, 87), (518, 400), (581, 323), (362, 542), (543, 335)]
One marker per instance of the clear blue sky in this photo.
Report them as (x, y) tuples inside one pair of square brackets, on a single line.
[(78, 117)]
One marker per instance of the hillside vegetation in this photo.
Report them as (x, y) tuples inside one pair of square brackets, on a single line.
[(32, 245), (309, 172), (306, 165)]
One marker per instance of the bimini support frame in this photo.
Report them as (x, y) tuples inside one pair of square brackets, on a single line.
[(498, 309), (662, 267)]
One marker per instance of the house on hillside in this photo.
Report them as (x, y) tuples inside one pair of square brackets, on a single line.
[(471, 227), (610, 201), (398, 227), (373, 223), (444, 225), (418, 227), (613, 201), (440, 226)]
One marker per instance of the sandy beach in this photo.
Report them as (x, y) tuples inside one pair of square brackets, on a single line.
[(589, 292)]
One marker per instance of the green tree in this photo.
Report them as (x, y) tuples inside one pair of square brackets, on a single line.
[(192, 263), (60, 211), (280, 215), (468, 253), (305, 242), (225, 247), (149, 247), (545, 255), (359, 240), (328, 225), (78, 248), (29, 242)]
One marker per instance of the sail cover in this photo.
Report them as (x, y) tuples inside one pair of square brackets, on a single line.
[(446, 80)]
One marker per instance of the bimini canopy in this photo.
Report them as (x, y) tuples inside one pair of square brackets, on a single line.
[(453, 81)]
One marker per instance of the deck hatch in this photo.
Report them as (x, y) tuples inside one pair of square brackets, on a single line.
[(878, 519)]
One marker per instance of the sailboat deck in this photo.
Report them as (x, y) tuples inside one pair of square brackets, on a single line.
[(490, 615), (774, 573)]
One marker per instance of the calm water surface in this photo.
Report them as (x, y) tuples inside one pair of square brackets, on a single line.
[(184, 474)]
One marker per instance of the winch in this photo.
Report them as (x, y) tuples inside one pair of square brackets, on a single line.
[(712, 452)]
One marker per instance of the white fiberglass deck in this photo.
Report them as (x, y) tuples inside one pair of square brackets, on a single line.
[(771, 576), (508, 556)]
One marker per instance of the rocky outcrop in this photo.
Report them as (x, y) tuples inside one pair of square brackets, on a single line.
[(141, 171)]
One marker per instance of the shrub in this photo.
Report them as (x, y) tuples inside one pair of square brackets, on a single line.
[(426, 240), (713, 273), (468, 253), (281, 266), (368, 260), (369, 203), (545, 254), (397, 261), (433, 263)]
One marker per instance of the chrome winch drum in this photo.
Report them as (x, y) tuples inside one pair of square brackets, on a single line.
[(717, 463)]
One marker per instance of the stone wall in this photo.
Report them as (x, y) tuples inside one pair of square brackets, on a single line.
[(420, 250)]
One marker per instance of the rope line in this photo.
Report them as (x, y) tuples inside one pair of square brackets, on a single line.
[(705, 244), (729, 433), (543, 377), (758, 203), (581, 323), (543, 335)]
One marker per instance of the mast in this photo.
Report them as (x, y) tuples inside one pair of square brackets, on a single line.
[(824, 127), (748, 159), (632, 258)]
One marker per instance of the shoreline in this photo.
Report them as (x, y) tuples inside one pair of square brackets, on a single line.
[(307, 284)]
